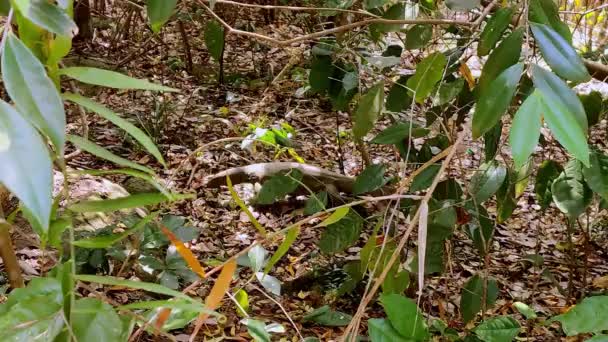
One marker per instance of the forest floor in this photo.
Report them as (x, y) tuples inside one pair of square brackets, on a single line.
[(204, 112)]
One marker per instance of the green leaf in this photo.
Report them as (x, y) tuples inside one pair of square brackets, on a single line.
[(242, 298), (257, 330), (493, 30), (596, 175), (548, 171), (25, 165), (110, 79), (48, 16), (244, 207), (321, 71), (598, 338), (94, 320), (585, 317), (448, 189), (487, 181), (405, 317), (381, 330), (429, 71), (480, 229), (503, 56), (399, 98), (368, 110), (173, 304), (214, 39), (495, 100), (594, 107), (418, 36), (290, 238), (491, 141), (498, 329), (372, 178), (525, 310), (101, 152), (159, 11), (105, 241), (546, 12), (109, 115), (140, 285), (525, 129), (472, 294), (279, 186), (327, 317), (335, 216), (425, 178), (505, 198), (448, 91), (338, 236), (399, 132), (395, 12), (33, 92), (570, 192), (559, 54), (129, 202), (317, 202)]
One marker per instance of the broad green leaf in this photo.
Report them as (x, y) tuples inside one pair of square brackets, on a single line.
[(159, 11), (244, 208), (129, 202), (546, 12), (398, 98), (429, 71), (279, 186), (418, 36), (214, 39), (110, 79), (503, 56), (368, 110), (321, 72), (290, 238), (448, 91), (548, 171), (523, 178), (570, 192), (596, 175), (105, 241), (559, 54), (399, 132), (493, 30), (101, 152), (405, 317), (48, 16), (472, 296), (372, 178), (315, 203), (491, 141), (448, 189), (425, 178), (595, 109), (173, 304), (498, 329), (109, 115), (381, 330), (33, 92), (257, 330), (5, 7), (487, 181), (395, 12), (338, 236), (480, 229), (505, 198), (525, 310), (25, 164), (495, 100), (335, 216), (94, 320), (242, 298), (585, 317), (327, 317), (525, 129), (598, 338)]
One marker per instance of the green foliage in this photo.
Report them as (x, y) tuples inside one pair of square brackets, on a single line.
[(493, 30), (428, 72), (368, 110), (47, 15), (405, 317), (279, 186), (159, 11), (548, 171), (381, 330), (498, 329), (372, 178), (473, 296), (596, 175), (93, 319), (327, 317), (398, 97), (570, 192), (315, 203), (214, 39), (525, 129), (129, 202), (502, 57), (546, 12), (110, 79), (339, 235), (487, 181), (585, 317), (418, 36), (399, 132)]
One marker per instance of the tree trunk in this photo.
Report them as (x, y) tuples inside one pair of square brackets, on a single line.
[(82, 17)]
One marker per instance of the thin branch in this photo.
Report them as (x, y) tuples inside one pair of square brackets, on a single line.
[(282, 309), (485, 13), (292, 8)]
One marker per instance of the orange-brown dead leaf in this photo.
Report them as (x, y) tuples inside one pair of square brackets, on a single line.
[(163, 315), (185, 252), (466, 73)]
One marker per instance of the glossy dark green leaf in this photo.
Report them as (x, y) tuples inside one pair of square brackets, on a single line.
[(480, 228), (546, 12), (425, 178), (525, 129), (327, 317), (595, 109), (129, 202), (502, 57), (493, 30), (321, 72), (395, 12), (559, 54), (498, 329), (492, 141), (548, 171), (110, 79), (159, 11), (372, 178), (33, 92), (596, 175), (25, 164), (315, 203), (398, 98), (495, 100), (398, 132), (405, 317), (279, 186), (418, 36), (505, 198), (472, 296), (214, 39), (448, 91), (585, 317), (448, 189), (570, 192), (381, 330), (368, 110), (338, 236), (94, 320), (429, 71), (48, 16), (486, 181)]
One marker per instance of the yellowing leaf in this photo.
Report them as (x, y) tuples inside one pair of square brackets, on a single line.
[(185, 252), (335, 217), (291, 236), (222, 284), (466, 73), (244, 208)]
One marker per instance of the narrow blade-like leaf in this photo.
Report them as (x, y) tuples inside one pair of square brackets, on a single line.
[(525, 129), (110, 79), (159, 11)]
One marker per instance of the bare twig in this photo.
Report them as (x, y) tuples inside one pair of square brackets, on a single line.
[(282, 309)]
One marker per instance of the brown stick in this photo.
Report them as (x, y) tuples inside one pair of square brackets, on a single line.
[(7, 252), (182, 31)]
